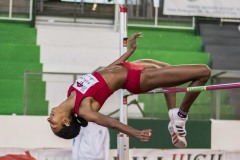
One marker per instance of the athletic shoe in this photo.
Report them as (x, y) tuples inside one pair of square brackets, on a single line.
[(176, 128)]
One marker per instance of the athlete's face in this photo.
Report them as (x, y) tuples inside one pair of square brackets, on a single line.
[(57, 119)]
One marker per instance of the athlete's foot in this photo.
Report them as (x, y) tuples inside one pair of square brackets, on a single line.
[(176, 128)]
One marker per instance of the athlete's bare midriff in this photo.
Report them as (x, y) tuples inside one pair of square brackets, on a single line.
[(114, 76)]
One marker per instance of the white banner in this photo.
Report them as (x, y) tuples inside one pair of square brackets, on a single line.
[(134, 154), (179, 154), (205, 8)]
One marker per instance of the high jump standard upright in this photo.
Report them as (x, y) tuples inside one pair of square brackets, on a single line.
[(123, 139)]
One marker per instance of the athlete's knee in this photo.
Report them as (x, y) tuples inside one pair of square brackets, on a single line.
[(205, 71)]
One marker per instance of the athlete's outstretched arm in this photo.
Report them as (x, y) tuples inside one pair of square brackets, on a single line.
[(127, 54), (110, 122)]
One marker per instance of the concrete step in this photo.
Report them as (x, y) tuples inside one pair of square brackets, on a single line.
[(82, 36), (228, 30), (221, 40), (224, 57), (75, 21), (77, 56)]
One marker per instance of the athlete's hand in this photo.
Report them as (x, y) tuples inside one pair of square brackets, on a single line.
[(145, 135), (133, 38)]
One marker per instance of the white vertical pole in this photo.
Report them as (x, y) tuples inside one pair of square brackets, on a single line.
[(156, 4), (116, 18), (10, 9), (218, 103), (123, 139), (193, 22), (156, 16), (30, 10)]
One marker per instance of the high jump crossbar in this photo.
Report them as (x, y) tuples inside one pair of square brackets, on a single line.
[(191, 89)]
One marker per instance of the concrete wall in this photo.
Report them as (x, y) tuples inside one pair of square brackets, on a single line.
[(225, 134), (29, 132)]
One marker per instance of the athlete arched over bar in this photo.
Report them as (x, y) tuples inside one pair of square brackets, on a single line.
[(87, 95)]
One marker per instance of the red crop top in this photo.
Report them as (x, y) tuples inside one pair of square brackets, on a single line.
[(90, 85)]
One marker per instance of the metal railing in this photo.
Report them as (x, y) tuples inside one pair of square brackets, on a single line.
[(20, 10), (34, 97)]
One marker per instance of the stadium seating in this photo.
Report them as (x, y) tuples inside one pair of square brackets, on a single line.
[(19, 53)]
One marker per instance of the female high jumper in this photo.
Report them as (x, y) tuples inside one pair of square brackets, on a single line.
[(88, 94)]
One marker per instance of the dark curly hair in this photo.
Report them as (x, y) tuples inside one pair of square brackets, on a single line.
[(71, 131)]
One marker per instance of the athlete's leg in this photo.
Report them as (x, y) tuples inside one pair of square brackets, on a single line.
[(153, 64), (198, 75), (173, 76)]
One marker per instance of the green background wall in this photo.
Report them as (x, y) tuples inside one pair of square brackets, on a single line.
[(198, 134)]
